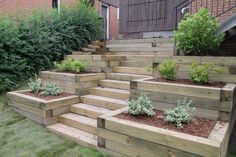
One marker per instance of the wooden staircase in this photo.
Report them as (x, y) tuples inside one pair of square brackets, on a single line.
[(80, 125), (112, 93), (97, 47)]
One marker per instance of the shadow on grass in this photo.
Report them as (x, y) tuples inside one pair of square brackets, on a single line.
[(24, 138)]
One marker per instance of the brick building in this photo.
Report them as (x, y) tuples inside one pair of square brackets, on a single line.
[(106, 8)]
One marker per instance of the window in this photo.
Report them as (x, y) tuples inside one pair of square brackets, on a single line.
[(55, 4)]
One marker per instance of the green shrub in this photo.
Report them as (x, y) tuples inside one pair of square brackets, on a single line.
[(35, 85), (141, 106), (200, 73), (167, 70), (51, 89), (34, 43), (197, 33), (71, 65), (183, 113)]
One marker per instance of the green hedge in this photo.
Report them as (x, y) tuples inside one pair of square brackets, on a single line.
[(33, 44)]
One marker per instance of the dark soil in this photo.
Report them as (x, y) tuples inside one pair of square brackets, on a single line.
[(41, 96), (199, 127), (189, 82)]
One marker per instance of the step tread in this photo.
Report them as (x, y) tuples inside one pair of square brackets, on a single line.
[(133, 70), (88, 49), (123, 102), (74, 134), (91, 108), (112, 90), (134, 75), (80, 119)]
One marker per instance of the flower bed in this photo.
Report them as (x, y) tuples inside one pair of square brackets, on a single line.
[(211, 102), (130, 138), (42, 109), (184, 64), (72, 83)]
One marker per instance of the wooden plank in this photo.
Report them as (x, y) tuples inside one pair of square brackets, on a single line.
[(185, 142), (142, 145), (21, 106), (61, 102), (36, 118), (128, 151), (25, 99), (90, 77), (61, 110), (180, 89), (173, 98), (57, 76), (219, 132), (138, 49)]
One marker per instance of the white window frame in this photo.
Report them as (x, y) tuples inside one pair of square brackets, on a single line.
[(108, 19)]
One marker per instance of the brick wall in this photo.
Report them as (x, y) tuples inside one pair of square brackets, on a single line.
[(24, 7), (215, 7)]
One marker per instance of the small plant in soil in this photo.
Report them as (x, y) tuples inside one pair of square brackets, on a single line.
[(35, 85), (71, 65), (51, 89), (167, 70), (183, 113), (141, 106), (200, 73)]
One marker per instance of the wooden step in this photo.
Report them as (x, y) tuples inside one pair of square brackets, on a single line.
[(142, 49), (80, 122), (105, 102), (88, 110), (149, 40), (140, 58), (115, 84), (141, 45), (93, 46), (101, 43), (81, 53), (79, 136), (111, 93), (133, 70), (124, 76), (136, 64), (88, 49)]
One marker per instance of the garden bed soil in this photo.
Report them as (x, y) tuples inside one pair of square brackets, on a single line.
[(189, 82), (201, 127), (41, 96)]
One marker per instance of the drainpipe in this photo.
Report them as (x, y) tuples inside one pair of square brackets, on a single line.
[(58, 5)]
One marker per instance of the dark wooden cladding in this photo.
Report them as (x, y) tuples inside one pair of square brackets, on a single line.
[(147, 15)]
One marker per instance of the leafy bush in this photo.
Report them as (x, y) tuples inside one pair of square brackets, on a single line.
[(51, 89), (183, 113), (34, 43), (71, 65), (141, 106), (197, 33), (35, 85), (167, 70), (200, 73)]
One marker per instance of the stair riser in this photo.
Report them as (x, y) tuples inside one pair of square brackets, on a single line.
[(78, 125), (138, 71), (122, 77), (85, 112), (100, 103), (110, 94), (114, 85), (136, 64)]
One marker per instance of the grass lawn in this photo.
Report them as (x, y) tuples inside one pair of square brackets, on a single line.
[(20, 137)]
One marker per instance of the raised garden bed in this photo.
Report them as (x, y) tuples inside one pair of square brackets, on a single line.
[(184, 64), (79, 84), (44, 110), (132, 137), (211, 102)]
